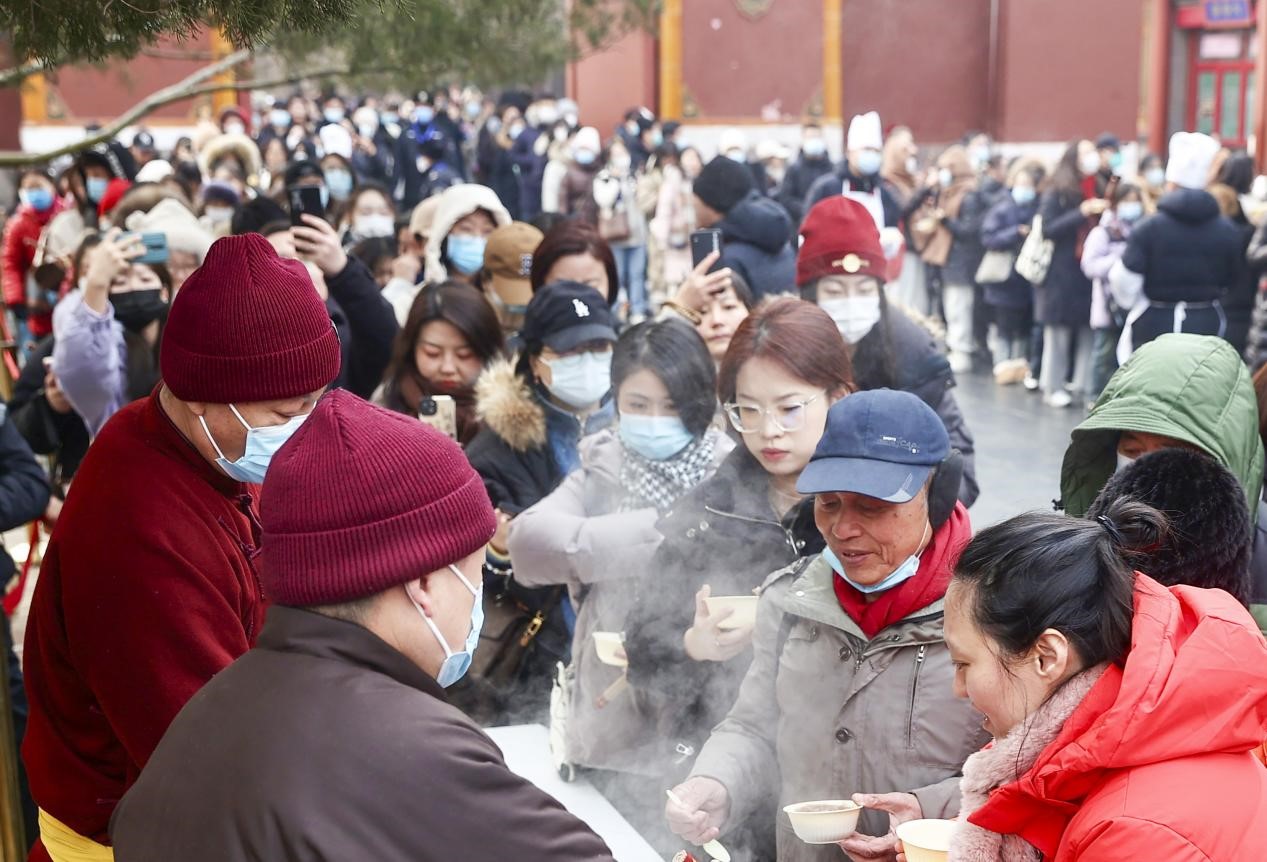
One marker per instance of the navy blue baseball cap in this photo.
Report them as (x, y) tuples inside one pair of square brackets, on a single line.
[(882, 444)]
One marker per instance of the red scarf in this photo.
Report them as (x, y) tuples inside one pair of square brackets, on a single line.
[(936, 565)]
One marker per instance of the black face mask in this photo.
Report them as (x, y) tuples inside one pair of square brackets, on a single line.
[(137, 309)]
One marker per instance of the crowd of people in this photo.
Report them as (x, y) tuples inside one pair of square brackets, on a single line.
[(379, 422)]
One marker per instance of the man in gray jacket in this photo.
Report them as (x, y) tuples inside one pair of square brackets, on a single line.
[(850, 692)]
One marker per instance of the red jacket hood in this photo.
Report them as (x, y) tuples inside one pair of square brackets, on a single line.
[(1195, 682)]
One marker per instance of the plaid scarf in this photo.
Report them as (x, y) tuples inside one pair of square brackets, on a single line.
[(659, 484)]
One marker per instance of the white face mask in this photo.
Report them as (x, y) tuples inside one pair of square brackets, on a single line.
[(854, 316), (1090, 164), (1123, 461), (218, 215), (372, 226), (581, 380)]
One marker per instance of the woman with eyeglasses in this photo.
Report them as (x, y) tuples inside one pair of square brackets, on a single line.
[(841, 268), (785, 367)]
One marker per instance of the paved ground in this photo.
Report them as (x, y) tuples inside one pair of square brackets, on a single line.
[(1020, 445)]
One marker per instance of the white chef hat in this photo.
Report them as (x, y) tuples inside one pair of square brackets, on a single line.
[(1191, 155), (865, 132)]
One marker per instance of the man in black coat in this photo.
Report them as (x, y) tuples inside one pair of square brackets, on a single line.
[(1180, 262), (811, 164), (756, 231)]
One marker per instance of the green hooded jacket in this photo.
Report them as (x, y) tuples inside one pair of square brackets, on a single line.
[(1191, 387)]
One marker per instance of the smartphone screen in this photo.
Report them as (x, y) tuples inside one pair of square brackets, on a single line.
[(703, 243), (440, 412), (304, 199)]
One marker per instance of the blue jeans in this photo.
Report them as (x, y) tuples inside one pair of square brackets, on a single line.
[(631, 264)]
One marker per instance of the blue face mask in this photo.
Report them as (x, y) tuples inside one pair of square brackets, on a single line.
[(279, 119), (424, 115), (869, 162), (584, 157), (38, 199), (1155, 177), (456, 664), (261, 445), (96, 188), (1023, 195), (466, 252), (333, 115), (901, 574), (339, 184), (1130, 211), (656, 438), (581, 380)]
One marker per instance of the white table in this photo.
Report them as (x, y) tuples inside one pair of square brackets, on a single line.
[(526, 748)]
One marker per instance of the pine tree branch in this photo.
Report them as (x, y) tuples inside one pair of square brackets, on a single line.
[(185, 89), (17, 74)]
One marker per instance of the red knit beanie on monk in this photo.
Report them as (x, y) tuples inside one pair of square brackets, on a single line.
[(839, 237), (248, 326), (362, 499)]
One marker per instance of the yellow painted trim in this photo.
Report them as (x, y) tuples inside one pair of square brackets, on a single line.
[(221, 99), (833, 61), (671, 59), (34, 92)]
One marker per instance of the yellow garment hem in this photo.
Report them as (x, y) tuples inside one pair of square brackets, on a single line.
[(66, 845)]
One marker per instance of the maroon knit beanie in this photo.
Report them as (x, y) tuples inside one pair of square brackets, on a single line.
[(362, 499), (839, 237), (248, 326)]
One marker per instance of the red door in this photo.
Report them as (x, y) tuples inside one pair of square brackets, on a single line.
[(1221, 85)]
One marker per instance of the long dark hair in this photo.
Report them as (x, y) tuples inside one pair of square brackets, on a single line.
[(460, 306), (1238, 172), (674, 352), (566, 239), (1066, 180), (1042, 571)]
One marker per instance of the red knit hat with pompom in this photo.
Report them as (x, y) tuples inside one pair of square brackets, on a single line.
[(839, 237), (362, 499), (248, 326)]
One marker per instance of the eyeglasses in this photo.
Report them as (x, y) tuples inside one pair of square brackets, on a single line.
[(750, 419)]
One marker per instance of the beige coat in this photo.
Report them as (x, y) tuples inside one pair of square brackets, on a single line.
[(825, 713), (576, 537)]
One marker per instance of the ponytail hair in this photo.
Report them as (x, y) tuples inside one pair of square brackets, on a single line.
[(1042, 571)]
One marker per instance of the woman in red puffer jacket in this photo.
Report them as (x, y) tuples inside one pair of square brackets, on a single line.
[(1123, 712), (39, 203)]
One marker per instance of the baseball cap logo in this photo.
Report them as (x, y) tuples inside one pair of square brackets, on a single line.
[(525, 265), (582, 310)]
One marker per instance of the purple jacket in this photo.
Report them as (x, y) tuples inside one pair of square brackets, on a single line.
[(90, 359)]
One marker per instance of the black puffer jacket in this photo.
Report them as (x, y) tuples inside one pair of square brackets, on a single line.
[(756, 236), (900, 354), (724, 534), (61, 436), (1187, 251), (366, 325), (800, 178)]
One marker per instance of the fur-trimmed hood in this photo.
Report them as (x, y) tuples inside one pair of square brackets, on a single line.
[(240, 146), (506, 405)]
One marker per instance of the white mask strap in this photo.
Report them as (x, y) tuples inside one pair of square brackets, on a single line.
[(207, 431)]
